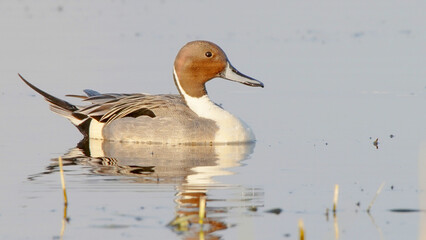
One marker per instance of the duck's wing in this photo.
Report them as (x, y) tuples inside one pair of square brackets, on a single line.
[(108, 107)]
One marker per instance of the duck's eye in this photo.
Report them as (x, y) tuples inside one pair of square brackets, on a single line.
[(208, 54)]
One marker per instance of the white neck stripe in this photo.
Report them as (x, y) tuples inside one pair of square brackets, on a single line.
[(202, 106), (231, 129)]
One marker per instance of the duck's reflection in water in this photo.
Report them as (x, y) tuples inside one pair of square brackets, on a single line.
[(191, 168)]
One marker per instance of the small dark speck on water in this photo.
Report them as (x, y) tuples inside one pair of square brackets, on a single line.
[(358, 34), (274, 211), (405, 31), (232, 225), (326, 144), (102, 209), (358, 204), (287, 235), (391, 136), (111, 180), (392, 187), (112, 226)]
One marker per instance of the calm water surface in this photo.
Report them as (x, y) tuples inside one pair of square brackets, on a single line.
[(334, 83)]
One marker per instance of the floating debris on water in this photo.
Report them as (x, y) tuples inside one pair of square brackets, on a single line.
[(376, 143), (274, 211), (391, 136), (181, 223), (252, 208), (405, 210)]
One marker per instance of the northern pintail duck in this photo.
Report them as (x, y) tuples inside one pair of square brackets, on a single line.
[(188, 118)]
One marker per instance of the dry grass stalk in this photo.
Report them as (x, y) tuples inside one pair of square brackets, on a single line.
[(63, 181), (202, 211), (336, 197), (301, 230), (375, 196)]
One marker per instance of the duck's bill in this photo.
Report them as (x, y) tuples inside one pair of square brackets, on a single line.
[(233, 74)]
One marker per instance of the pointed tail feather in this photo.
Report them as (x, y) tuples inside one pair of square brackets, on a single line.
[(62, 107), (51, 99)]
